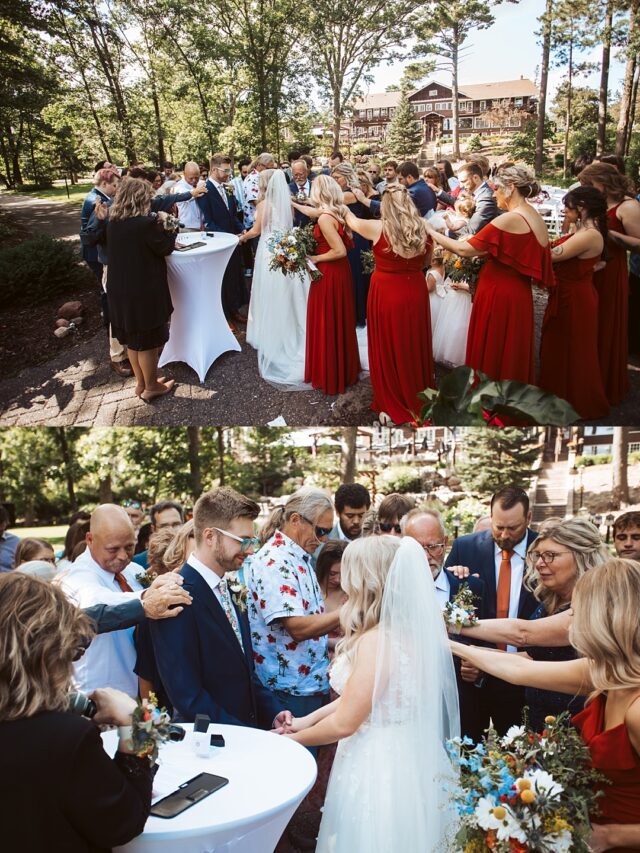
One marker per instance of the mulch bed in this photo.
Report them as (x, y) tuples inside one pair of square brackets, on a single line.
[(26, 333)]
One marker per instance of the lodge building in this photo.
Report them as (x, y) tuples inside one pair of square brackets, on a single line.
[(484, 109)]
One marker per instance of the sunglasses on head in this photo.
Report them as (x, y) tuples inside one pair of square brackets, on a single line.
[(386, 527)]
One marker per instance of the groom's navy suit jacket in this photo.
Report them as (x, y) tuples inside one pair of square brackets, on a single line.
[(476, 551), (202, 666), (217, 216)]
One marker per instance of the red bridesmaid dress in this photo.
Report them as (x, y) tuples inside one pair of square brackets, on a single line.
[(612, 754), (399, 334), (569, 364), (612, 285), (501, 332), (332, 361)]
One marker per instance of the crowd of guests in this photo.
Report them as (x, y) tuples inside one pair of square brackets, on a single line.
[(269, 599)]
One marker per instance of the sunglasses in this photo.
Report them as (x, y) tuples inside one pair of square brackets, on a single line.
[(387, 528), (319, 531), (246, 542)]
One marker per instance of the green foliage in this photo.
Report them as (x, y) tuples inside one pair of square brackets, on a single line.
[(603, 459), (39, 268), (474, 144), (494, 458), (360, 148), (400, 478), (522, 146), (468, 511), (467, 398), (404, 135)]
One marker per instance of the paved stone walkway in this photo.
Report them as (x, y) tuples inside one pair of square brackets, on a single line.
[(56, 218)]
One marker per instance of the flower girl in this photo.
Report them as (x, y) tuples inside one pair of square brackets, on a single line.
[(436, 285), (452, 324)]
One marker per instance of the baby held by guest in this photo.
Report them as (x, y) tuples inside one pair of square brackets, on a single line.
[(457, 221)]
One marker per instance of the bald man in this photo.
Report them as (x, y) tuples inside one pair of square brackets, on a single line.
[(188, 211), (104, 574)]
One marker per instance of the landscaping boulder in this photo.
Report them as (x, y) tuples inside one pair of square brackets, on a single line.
[(61, 323), (70, 310)]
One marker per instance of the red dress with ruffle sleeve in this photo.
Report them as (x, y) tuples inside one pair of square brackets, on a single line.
[(569, 364), (612, 284), (613, 754), (501, 333), (332, 360), (399, 333)]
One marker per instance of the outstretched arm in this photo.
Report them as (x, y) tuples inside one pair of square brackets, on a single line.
[(549, 631), (570, 677), (368, 228)]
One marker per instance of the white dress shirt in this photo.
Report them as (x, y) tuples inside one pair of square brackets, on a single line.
[(188, 211), (305, 188), (517, 574), (110, 659), (443, 588)]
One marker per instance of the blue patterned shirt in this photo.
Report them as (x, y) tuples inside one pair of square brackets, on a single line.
[(282, 582)]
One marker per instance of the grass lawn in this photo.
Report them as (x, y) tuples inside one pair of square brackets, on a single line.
[(54, 534), (58, 192)]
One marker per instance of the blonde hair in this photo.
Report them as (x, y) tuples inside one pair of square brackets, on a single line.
[(364, 181), (41, 634), (465, 206), (510, 177), (328, 196), (178, 550), (308, 502), (348, 173), (263, 182), (579, 536), (159, 543), (132, 198), (365, 566), (605, 628), (402, 226)]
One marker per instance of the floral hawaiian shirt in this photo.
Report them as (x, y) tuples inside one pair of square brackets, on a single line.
[(251, 192), (282, 582)]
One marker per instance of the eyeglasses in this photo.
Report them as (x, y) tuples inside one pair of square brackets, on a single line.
[(246, 542), (434, 548), (319, 531), (387, 528), (547, 557)]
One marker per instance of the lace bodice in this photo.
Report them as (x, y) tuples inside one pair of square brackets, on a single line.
[(340, 673)]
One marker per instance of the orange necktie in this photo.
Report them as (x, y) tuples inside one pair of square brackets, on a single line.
[(504, 590), (122, 582)]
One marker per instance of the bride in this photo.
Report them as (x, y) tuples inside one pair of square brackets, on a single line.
[(391, 779), (277, 320)]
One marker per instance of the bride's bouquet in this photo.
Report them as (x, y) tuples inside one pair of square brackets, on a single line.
[(526, 791), (289, 250)]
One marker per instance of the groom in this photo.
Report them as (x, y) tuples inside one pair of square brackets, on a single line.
[(205, 659), (220, 212)]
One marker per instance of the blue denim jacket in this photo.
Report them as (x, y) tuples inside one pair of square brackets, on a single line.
[(91, 253)]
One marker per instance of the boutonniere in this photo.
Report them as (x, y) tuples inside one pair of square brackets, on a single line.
[(145, 579), (239, 594), (461, 612), (228, 188), (301, 196)]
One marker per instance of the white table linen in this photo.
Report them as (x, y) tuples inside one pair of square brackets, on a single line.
[(199, 332), (269, 776)]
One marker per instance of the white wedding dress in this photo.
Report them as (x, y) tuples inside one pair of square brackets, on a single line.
[(391, 781), (277, 321)]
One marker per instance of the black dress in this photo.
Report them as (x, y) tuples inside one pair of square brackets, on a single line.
[(137, 288), (544, 702), (360, 279), (60, 791)]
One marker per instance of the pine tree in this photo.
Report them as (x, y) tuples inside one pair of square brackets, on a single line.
[(404, 135), (495, 458)]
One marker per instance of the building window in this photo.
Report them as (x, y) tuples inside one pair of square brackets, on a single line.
[(369, 114), (429, 107), (433, 93), (513, 121), (483, 106), (383, 113), (362, 113), (446, 124), (466, 106), (634, 446), (421, 108), (466, 123), (438, 105), (376, 113), (480, 123), (518, 102)]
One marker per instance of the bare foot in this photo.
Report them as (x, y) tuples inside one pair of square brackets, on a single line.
[(139, 388), (158, 390)]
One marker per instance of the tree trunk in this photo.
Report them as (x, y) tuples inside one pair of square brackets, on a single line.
[(620, 489), (13, 145), (348, 461), (337, 119), (454, 92), (67, 457), (544, 78), (195, 468), (156, 109), (624, 129), (105, 490), (33, 156), (567, 130), (7, 164), (220, 442), (632, 111), (604, 80)]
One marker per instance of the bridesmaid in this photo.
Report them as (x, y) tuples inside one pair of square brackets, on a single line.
[(516, 246), (612, 282), (347, 179), (332, 361), (399, 319), (569, 365)]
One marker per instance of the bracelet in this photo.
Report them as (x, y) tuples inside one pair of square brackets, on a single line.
[(125, 733)]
